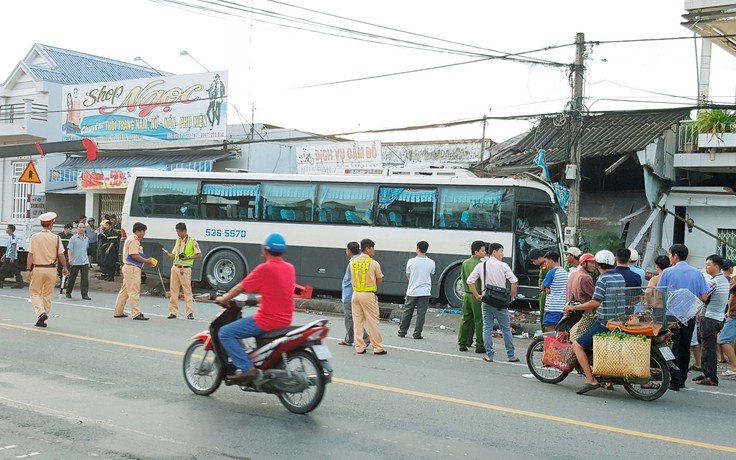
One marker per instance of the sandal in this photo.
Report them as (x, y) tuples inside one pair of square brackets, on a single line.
[(650, 386), (487, 359), (707, 383)]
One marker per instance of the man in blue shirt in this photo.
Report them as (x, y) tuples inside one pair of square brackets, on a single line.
[(622, 268), (79, 259), (682, 276), (10, 260), (352, 251), (633, 259)]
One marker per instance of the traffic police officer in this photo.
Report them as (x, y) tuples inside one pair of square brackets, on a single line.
[(44, 252), (186, 249), (365, 273)]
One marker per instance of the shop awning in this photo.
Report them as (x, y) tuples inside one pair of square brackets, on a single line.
[(68, 171)]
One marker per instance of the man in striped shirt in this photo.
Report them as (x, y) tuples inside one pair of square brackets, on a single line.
[(608, 298), (555, 285)]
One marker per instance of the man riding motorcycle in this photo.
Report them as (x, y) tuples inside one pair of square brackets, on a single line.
[(608, 298), (274, 280)]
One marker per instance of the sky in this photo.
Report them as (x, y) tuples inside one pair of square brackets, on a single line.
[(272, 69)]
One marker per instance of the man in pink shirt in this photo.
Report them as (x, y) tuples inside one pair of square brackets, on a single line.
[(274, 280)]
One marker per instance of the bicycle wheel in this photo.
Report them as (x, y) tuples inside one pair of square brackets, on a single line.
[(542, 372), (658, 383), (201, 369)]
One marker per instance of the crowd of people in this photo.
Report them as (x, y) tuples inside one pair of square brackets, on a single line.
[(584, 283)]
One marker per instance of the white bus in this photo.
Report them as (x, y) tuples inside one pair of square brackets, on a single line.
[(231, 213)]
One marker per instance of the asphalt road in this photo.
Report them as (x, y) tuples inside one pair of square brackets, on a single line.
[(93, 386)]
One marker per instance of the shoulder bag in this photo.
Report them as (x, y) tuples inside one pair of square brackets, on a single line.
[(495, 296)]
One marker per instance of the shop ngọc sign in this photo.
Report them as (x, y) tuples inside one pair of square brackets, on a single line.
[(177, 107)]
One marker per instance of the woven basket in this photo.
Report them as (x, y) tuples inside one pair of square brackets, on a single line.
[(615, 357), (585, 323)]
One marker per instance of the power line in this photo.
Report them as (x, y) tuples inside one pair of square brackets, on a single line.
[(374, 38)]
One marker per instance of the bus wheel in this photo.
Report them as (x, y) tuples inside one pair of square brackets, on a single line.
[(452, 288), (224, 270)]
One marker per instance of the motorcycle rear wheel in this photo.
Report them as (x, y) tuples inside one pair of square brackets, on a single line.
[(307, 400), (658, 383), (202, 369), (542, 372)]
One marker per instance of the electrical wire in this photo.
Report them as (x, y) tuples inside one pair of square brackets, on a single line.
[(375, 38)]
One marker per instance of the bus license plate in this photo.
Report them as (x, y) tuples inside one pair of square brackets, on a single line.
[(322, 352), (667, 353)]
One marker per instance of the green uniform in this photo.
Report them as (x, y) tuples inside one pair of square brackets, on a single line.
[(472, 320)]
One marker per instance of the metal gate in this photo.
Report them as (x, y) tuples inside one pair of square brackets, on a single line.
[(728, 235), (111, 204)]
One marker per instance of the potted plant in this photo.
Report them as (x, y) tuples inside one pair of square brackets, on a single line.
[(717, 128)]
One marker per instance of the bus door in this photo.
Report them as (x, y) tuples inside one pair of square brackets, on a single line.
[(535, 228)]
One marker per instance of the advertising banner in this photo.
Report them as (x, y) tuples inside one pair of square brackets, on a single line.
[(328, 158), (167, 108)]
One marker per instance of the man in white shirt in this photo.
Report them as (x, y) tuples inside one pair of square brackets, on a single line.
[(419, 271), (497, 272)]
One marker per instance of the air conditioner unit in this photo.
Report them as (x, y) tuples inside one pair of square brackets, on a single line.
[(569, 238)]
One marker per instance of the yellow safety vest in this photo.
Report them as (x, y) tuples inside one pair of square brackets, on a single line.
[(360, 270), (188, 251)]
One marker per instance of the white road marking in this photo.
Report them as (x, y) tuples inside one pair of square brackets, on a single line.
[(8, 447), (32, 454)]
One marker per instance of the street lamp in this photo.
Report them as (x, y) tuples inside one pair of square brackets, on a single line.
[(138, 58), (185, 53)]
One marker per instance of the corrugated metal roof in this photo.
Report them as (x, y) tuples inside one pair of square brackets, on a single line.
[(610, 133), (140, 161), (73, 67)]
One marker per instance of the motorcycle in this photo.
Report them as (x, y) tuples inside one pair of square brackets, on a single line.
[(294, 363), (645, 389)]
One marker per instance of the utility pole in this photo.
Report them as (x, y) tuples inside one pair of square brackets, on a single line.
[(483, 139), (572, 171)]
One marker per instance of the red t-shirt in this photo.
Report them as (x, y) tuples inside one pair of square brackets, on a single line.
[(274, 280)]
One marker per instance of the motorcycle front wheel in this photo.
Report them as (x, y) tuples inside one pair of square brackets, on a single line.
[(658, 383), (307, 400), (542, 372), (202, 369)]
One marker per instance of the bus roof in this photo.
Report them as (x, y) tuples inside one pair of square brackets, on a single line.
[(417, 180)]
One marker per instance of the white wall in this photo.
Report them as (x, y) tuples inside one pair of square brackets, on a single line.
[(709, 211)]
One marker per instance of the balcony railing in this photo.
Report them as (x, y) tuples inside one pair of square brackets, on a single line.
[(16, 113), (687, 136)]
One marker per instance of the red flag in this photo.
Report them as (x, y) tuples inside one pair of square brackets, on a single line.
[(91, 147), (40, 150)]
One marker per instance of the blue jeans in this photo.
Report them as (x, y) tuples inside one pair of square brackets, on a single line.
[(502, 316), (230, 336)]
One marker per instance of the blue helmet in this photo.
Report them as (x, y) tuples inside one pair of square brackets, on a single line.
[(275, 243)]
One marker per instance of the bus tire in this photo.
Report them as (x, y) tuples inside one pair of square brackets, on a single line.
[(452, 288), (224, 270)]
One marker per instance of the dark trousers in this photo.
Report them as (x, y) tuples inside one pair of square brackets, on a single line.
[(349, 334), (73, 278), (708, 335), (10, 269), (109, 264), (421, 304), (681, 338)]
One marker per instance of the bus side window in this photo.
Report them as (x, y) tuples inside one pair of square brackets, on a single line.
[(406, 207)]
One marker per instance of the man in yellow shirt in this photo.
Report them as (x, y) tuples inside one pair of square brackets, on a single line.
[(133, 261), (44, 252), (186, 250), (365, 274)]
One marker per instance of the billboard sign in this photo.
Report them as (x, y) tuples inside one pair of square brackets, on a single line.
[(328, 158), (166, 108)]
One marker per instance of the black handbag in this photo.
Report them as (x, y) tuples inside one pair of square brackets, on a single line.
[(495, 296)]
